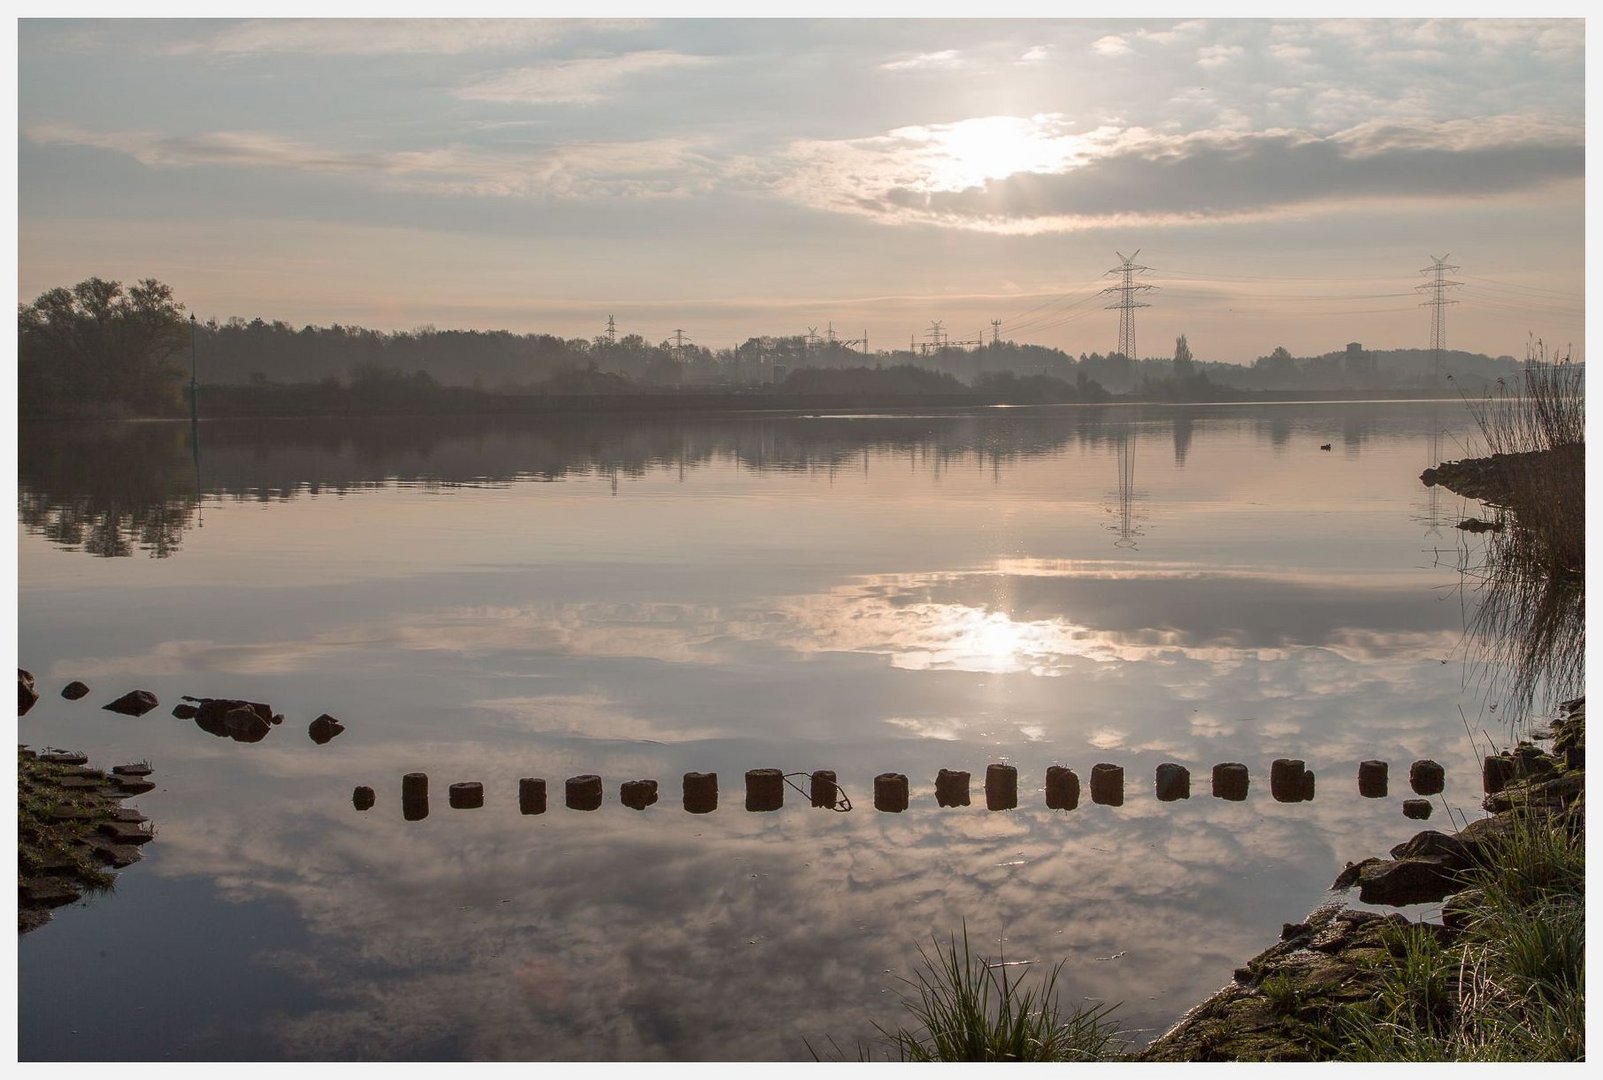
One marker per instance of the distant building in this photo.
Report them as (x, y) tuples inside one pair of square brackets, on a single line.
[(1358, 363)]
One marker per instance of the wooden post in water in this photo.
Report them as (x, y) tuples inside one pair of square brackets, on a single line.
[(415, 796), (951, 788), (1172, 782), (890, 792), (823, 790), (1372, 779), (1230, 781), (701, 792), (765, 790), (584, 792), (1427, 777), (531, 795), (468, 795), (1285, 779), (1107, 784), (1062, 788), (1001, 787)]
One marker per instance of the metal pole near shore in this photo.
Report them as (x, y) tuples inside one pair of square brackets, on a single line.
[(194, 385)]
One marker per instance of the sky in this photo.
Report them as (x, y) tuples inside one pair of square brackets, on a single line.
[(1284, 182)]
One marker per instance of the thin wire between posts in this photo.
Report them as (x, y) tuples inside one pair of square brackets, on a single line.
[(842, 805)]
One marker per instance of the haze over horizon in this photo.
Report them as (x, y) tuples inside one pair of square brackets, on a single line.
[(1285, 179)]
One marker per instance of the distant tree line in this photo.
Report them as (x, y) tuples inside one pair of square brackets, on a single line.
[(100, 349)]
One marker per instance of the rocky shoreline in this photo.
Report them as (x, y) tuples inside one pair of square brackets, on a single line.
[(1281, 1003), (72, 830)]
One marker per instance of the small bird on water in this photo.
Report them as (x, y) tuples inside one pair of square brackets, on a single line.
[(1324, 446)]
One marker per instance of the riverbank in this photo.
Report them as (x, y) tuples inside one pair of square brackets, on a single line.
[(1348, 984), (72, 831), (1500, 975)]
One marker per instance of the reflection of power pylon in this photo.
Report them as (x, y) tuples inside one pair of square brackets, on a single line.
[(1125, 517), (1433, 516)]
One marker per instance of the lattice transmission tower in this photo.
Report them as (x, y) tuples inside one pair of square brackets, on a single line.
[(1436, 289), (1127, 303)]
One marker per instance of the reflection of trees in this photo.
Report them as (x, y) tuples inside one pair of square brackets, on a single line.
[(114, 488), (108, 489)]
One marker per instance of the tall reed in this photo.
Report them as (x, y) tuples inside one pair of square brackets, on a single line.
[(1531, 577)]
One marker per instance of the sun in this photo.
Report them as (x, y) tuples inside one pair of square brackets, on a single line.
[(969, 153)]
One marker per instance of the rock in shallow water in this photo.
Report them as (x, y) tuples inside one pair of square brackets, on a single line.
[(133, 703), (74, 690), (26, 694)]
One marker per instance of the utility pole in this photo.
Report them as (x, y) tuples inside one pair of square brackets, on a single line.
[(1127, 303), (612, 332), (996, 332), (1436, 288), (194, 382)]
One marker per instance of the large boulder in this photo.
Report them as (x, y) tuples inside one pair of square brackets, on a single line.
[(133, 703), (26, 694), (1430, 844), (1399, 882), (227, 718), (74, 690)]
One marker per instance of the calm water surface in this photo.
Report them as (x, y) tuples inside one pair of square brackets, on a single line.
[(487, 600)]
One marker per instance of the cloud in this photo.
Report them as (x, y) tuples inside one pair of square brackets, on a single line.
[(651, 167), (1041, 175), (1111, 45), (1034, 55), (1210, 56), (575, 82), (375, 37), (946, 59)]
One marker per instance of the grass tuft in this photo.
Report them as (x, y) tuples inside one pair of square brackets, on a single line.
[(966, 1008)]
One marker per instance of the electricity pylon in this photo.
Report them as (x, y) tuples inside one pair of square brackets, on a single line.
[(1127, 303)]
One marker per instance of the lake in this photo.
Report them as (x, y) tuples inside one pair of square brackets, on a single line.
[(486, 600)]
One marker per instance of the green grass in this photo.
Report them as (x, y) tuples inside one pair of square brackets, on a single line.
[(43, 839), (966, 1008), (1512, 989)]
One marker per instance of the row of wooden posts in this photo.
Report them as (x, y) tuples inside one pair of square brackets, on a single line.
[(1290, 781)]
